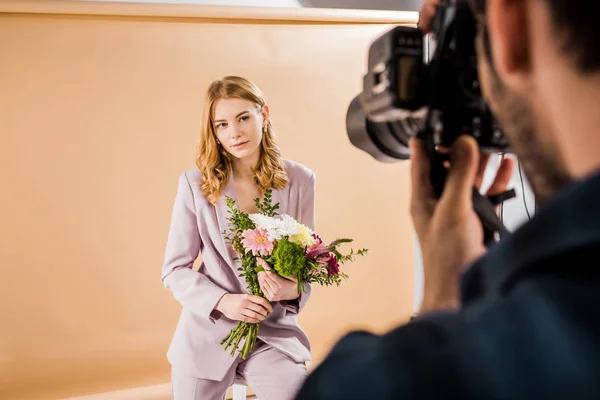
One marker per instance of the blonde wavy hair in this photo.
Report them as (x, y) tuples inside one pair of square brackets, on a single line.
[(215, 163)]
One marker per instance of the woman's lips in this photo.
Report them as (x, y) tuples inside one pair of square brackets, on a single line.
[(239, 145)]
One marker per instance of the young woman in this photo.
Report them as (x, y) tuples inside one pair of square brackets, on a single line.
[(237, 157)]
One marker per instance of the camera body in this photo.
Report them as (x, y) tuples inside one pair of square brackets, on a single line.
[(406, 95)]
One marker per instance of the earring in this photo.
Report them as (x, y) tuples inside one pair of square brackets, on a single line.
[(265, 129)]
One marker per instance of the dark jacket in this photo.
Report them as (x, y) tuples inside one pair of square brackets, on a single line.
[(528, 326)]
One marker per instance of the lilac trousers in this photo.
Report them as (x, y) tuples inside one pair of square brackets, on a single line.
[(271, 374)]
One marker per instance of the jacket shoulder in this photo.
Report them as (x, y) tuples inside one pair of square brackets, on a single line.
[(298, 172), (193, 176)]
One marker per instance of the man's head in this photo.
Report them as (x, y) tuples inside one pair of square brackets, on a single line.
[(539, 65)]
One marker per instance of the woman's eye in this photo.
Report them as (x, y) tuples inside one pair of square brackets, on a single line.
[(221, 125), (244, 118)]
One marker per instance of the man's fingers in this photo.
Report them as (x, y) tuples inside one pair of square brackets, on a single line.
[(483, 163), (458, 189), (423, 201), (502, 178), (426, 15), (422, 192)]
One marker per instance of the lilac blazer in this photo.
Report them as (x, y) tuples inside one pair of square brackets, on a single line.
[(196, 227)]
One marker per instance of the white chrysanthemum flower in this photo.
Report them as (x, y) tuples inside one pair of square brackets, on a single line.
[(284, 226), (264, 222), (274, 234), (289, 225), (276, 227)]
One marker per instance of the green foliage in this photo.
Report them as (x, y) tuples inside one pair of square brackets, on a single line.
[(324, 279), (344, 258), (240, 222), (238, 219), (266, 207)]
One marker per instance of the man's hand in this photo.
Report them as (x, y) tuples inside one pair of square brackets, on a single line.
[(426, 15), (449, 231), (277, 288)]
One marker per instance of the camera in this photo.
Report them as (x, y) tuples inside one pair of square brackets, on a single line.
[(406, 94)]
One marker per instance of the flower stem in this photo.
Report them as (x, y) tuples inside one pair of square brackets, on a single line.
[(243, 330), (250, 341), (240, 336)]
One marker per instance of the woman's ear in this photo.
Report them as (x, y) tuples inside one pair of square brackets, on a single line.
[(265, 114)]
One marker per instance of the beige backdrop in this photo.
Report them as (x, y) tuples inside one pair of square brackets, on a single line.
[(98, 117)]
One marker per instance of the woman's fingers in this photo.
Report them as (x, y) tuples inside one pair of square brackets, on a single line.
[(268, 285), (261, 302), (274, 280), (266, 291), (250, 320), (256, 308)]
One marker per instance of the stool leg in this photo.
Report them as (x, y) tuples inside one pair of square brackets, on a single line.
[(239, 392)]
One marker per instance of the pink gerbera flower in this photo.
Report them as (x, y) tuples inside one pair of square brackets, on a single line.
[(257, 242)]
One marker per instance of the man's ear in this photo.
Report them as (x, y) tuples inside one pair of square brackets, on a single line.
[(510, 41)]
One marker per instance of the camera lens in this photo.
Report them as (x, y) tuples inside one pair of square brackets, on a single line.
[(384, 141)]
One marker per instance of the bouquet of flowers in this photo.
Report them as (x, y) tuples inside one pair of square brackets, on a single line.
[(286, 247)]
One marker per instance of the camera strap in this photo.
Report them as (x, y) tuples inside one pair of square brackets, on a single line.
[(484, 206)]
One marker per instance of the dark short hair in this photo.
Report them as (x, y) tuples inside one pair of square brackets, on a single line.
[(577, 25)]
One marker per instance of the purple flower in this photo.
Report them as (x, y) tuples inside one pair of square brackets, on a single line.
[(317, 238), (333, 268)]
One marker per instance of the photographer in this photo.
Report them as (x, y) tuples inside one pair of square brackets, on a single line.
[(522, 321)]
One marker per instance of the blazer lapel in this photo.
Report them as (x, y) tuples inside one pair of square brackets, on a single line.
[(279, 196)]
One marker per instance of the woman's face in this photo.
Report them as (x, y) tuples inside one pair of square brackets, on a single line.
[(238, 124)]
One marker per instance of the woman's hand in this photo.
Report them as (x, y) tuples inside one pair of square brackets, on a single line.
[(244, 307), (277, 288)]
